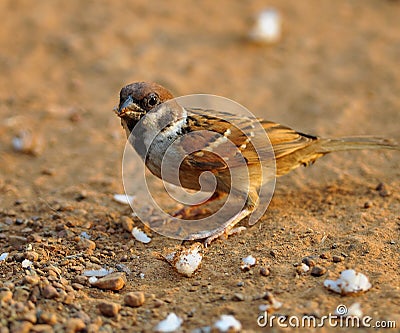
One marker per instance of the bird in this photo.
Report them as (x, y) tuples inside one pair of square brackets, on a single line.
[(202, 136)]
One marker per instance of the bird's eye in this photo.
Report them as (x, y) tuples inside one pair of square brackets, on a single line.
[(152, 100)]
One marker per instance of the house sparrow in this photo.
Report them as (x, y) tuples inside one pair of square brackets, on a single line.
[(156, 125)]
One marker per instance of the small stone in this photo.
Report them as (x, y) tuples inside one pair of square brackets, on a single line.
[(20, 327), (84, 316), (9, 285), (308, 261), (383, 191), (114, 281), (318, 271), (42, 328), (324, 256), (337, 259), (86, 244), (31, 279), (109, 309), (302, 268), (81, 279), (74, 325), (34, 238), (21, 295), (31, 255), (127, 223), (264, 271), (5, 296), (158, 303), (95, 260), (77, 286), (49, 292), (30, 316), (368, 204), (134, 299), (238, 297), (49, 318), (17, 240)]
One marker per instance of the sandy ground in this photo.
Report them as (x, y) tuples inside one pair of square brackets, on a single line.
[(335, 72)]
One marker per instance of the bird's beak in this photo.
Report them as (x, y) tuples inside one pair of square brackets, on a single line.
[(129, 109)]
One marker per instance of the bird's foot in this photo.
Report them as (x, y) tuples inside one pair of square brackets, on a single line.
[(228, 228), (189, 213)]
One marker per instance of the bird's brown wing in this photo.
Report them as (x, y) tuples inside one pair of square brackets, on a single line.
[(285, 140), (236, 140)]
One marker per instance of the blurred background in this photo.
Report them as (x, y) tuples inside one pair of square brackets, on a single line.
[(334, 70)]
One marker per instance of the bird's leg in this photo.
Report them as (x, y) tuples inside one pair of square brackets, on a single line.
[(228, 228), (189, 212)]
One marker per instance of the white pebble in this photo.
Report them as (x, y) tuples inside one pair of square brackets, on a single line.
[(93, 279), (169, 324), (186, 261), (26, 263), (228, 323), (98, 272), (3, 256), (267, 28), (123, 198), (349, 282), (248, 262), (354, 310), (140, 235), (304, 268)]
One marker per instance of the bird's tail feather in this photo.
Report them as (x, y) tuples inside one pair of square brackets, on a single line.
[(356, 143)]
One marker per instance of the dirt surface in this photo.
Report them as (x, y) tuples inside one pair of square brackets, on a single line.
[(334, 72)]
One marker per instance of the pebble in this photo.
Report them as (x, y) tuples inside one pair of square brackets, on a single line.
[(31, 279), (74, 325), (337, 259), (308, 261), (114, 281), (382, 189), (127, 223), (49, 318), (21, 295), (86, 244), (83, 316), (303, 268), (324, 256), (318, 271), (20, 327), (49, 292), (134, 299), (368, 204), (77, 286), (31, 255), (158, 303), (238, 297), (42, 328), (17, 240), (30, 316), (247, 263), (109, 309), (80, 279), (5, 296), (264, 271)]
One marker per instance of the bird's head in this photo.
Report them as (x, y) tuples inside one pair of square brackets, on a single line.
[(137, 99)]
